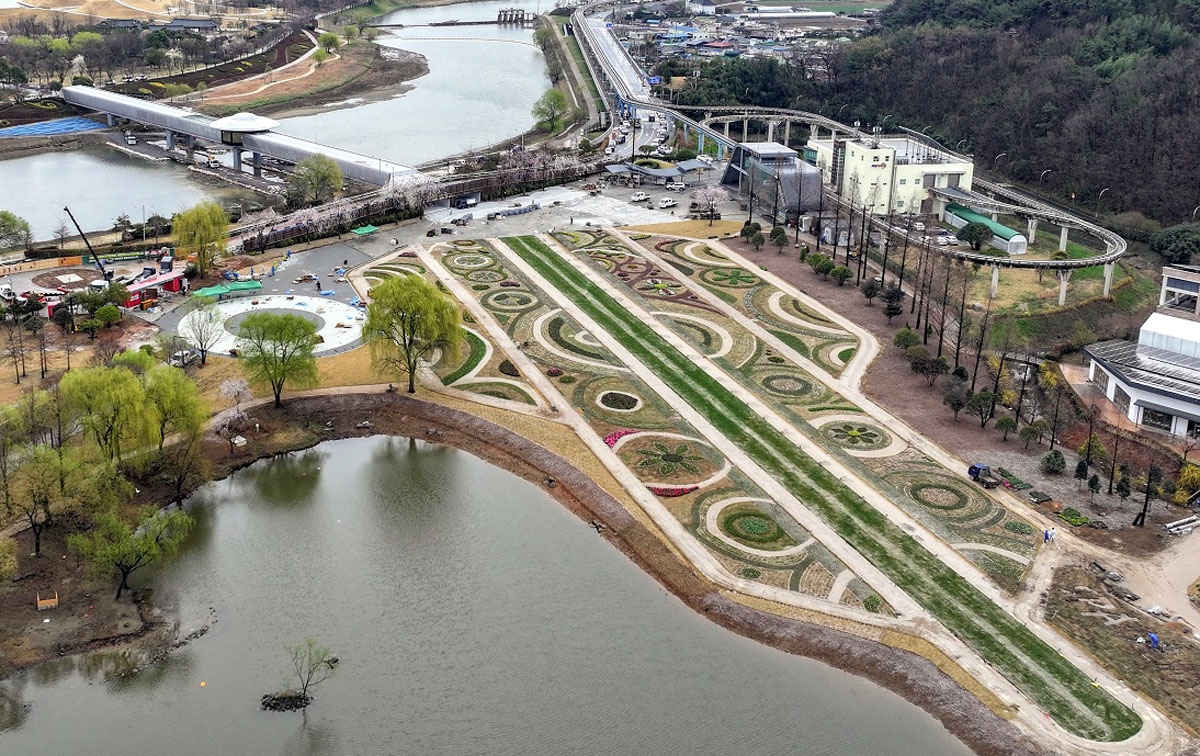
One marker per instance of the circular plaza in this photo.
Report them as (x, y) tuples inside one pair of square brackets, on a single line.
[(339, 325)]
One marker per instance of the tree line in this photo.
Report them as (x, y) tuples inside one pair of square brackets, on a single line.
[(1072, 98)]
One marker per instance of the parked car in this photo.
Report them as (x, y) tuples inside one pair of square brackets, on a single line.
[(675, 186), (639, 197), (706, 159), (918, 226), (183, 358), (666, 202)]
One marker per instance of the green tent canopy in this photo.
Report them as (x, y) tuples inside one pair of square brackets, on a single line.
[(364, 230), (227, 288)]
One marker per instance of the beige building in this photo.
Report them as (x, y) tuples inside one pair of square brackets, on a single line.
[(890, 174)]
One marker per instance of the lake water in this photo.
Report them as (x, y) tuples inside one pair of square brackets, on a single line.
[(472, 615), (480, 89), (478, 92)]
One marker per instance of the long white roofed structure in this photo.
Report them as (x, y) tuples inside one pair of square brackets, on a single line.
[(242, 132)]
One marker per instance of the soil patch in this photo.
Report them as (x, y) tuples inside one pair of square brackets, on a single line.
[(1082, 607)]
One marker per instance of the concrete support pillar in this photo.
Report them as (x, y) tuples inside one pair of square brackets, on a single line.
[(787, 133), (1108, 277), (1032, 230), (995, 280), (699, 142), (256, 161), (108, 118), (237, 159), (1063, 277), (720, 151), (746, 130), (170, 136), (995, 216), (686, 131), (727, 129), (770, 131), (1062, 239)]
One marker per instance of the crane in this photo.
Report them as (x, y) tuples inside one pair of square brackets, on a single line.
[(108, 275)]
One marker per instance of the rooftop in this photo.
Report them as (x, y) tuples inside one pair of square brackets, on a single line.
[(1154, 370), (246, 123)]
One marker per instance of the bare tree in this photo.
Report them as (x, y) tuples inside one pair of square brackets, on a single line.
[(203, 327)]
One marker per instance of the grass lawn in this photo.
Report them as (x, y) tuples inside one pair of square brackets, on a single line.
[(1029, 663)]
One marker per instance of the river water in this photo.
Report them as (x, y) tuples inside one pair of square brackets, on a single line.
[(472, 615), (481, 86)]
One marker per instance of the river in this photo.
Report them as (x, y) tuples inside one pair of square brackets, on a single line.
[(478, 92), (472, 615)]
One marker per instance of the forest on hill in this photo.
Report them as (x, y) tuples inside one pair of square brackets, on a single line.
[(1071, 97)]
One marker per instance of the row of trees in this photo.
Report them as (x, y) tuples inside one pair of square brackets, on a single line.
[(37, 52)]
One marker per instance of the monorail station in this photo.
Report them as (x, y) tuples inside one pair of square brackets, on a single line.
[(1155, 381)]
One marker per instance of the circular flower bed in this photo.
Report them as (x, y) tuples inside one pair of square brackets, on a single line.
[(619, 401), (730, 278), (485, 276), (856, 435), (470, 261), (752, 527), (939, 496), (505, 300), (660, 287), (787, 384)]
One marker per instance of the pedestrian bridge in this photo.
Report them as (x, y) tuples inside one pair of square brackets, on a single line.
[(242, 133)]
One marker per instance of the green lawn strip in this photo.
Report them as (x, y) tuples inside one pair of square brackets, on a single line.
[(1028, 662), (478, 350)]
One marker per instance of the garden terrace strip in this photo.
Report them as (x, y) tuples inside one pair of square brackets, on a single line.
[(1032, 665)]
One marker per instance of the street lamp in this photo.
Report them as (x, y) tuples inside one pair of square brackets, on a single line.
[(996, 159), (961, 142), (1043, 176), (883, 124), (1197, 207)]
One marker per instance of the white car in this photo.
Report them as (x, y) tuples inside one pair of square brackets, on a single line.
[(675, 186), (706, 159), (666, 202), (639, 197), (918, 226)]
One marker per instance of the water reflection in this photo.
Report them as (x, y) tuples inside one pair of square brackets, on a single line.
[(13, 709), (311, 739), (289, 478)]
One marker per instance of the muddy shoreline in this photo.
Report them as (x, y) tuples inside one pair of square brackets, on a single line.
[(904, 673)]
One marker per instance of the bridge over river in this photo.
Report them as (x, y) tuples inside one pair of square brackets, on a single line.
[(241, 133)]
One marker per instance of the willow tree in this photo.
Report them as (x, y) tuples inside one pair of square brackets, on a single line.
[(278, 349), (202, 230), (407, 320), (115, 547), (111, 405), (315, 179)]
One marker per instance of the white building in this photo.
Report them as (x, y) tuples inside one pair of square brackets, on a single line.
[(889, 174), (702, 7), (1156, 380)]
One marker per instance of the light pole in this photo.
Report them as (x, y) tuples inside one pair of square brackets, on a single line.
[(996, 159), (143, 225), (1100, 199), (960, 143), (1194, 209), (883, 124), (1043, 176)]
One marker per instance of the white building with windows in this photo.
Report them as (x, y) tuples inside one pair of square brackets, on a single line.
[(1155, 381), (888, 173)]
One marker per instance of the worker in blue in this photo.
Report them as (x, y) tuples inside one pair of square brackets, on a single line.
[(1153, 638)]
